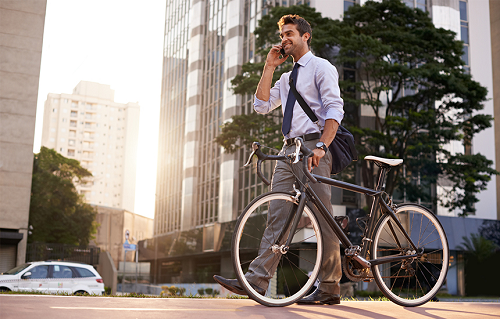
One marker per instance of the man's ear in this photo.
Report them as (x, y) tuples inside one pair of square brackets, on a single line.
[(306, 36)]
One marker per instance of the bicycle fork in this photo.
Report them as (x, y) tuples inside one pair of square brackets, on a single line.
[(293, 218)]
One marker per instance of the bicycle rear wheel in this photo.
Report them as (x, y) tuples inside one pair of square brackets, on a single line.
[(287, 275), (411, 282)]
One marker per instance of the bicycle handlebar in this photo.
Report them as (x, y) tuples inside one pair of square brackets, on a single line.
[(262, 157)]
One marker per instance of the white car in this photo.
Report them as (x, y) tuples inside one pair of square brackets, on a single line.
[(53, 277)]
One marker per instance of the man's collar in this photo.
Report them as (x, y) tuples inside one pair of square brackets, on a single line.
[(305, 58)]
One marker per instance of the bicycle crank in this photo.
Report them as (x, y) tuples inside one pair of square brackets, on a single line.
[(354, 272)]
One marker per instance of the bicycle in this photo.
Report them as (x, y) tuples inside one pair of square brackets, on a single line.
[(403, 248)]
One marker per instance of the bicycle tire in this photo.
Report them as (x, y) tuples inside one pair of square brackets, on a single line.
[(415, 281), (296, 270)]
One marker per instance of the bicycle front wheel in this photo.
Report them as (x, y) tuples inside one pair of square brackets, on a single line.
[(259, 256), (415, 281)]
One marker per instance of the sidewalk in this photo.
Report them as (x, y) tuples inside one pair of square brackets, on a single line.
[(45, 307)]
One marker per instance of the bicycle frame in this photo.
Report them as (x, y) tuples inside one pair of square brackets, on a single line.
[(378, 206)]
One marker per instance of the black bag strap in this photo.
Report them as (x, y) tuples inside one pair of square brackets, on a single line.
[(314, 118), (303, 103)]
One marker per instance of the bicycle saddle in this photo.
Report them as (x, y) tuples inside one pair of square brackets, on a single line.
[(386, 161)]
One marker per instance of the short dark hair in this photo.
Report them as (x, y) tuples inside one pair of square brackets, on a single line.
[(300, 23)]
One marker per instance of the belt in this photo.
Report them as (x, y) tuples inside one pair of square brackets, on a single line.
[(305, 137)]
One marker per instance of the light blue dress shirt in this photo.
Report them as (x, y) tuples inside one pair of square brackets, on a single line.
[(317, 82)]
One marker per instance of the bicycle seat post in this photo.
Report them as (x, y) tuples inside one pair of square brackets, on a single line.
[(383, 169)]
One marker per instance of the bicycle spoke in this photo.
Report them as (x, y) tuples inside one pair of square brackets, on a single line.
[(305, 239), (312, 263), (429, 242), (253, 237), (428, 236), (293, 272), (420, 232)]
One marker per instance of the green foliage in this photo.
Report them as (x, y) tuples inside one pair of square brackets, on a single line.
[(395, 64), (58, 213), (172, 291), (245, 129), (478, 246)]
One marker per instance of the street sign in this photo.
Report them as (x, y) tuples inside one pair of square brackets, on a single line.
[(128, 246)]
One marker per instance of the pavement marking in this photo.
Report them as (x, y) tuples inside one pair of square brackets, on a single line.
[(142, 309)]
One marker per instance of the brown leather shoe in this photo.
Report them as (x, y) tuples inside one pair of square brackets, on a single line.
[(234, 286), (319, 297)]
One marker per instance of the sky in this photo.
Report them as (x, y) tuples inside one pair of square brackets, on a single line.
[(115, 42)]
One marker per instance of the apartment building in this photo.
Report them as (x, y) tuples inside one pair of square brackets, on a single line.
[(200, 189), (89, 126), (21, 34)]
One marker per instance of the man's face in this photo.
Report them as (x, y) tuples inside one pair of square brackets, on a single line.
[(291, 40)]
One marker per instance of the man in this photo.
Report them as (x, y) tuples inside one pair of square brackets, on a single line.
[(317, 81)]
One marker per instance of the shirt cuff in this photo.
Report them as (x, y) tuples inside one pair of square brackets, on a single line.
[(335, 114), (261, 106)]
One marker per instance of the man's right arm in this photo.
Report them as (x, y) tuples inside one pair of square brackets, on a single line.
[(264, 87), (272, 61)]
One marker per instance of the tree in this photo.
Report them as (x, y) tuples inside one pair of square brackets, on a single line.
[(409, 76), (490, 230), (477, 246), (58, 213)]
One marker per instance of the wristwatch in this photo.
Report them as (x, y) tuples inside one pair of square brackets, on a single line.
[(322, 146)]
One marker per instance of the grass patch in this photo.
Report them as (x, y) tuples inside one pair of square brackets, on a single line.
[(369, 294), (126, 295)]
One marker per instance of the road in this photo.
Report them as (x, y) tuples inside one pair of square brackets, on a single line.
[(44, 307)]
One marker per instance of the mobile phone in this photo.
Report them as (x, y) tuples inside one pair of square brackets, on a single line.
[(282, 51)]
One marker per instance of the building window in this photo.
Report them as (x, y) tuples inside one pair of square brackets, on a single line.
[(72, 123), (71, 152), (54, 110), (464, 33), (417, 4), (71, 142), (348, 4), (74, 114)]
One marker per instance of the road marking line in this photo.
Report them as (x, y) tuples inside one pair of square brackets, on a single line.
[(142, 309)]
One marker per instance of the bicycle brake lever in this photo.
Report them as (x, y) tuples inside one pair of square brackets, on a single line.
[(255, 147), (249, 160), (298, 144)]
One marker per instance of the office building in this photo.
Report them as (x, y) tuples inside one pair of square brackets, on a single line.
[(89, 126), (201, 189), (21, 34)]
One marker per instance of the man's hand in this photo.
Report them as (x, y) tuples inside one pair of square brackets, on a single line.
[(329, 132), (273, 57), (313, 161)]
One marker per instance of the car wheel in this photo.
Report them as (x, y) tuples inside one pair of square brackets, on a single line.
[(3, 289), (81, 293)]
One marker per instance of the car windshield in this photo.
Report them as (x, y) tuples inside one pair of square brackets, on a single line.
[(16, 270)]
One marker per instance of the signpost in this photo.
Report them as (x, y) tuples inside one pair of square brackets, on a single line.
[(127, 247)]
